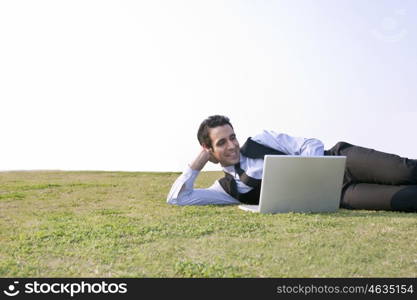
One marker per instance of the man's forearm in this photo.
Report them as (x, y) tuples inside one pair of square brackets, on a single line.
[(200, 161)]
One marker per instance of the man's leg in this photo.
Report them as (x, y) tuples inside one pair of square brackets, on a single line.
[(380, 197), (370, 166)]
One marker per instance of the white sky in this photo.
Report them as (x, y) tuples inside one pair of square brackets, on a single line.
[(124, 85)]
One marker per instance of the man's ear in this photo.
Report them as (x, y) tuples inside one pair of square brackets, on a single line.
[(207, 148), (212, 158)]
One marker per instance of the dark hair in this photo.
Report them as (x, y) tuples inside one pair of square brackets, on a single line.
[(211, 122)]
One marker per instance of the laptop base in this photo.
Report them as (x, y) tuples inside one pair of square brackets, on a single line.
[(248, 207)]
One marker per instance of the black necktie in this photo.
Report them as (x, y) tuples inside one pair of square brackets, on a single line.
[(249, 181)]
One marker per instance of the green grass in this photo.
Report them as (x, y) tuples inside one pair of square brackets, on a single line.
[(117, 224)]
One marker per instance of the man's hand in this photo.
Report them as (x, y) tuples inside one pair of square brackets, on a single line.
[(202, 158), (212, 158)]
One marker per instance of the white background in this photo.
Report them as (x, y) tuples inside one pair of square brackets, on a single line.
[(124, 85)]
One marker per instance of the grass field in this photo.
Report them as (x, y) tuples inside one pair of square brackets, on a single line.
[(117, 224)]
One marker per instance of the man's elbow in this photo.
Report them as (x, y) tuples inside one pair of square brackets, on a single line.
[(171, 201), (180, 199)]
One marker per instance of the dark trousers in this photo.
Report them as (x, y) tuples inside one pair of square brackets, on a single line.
[(376, 180)]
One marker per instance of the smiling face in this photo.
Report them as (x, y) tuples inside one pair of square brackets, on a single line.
[(224, 145)]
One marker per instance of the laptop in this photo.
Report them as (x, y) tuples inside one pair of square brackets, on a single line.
[(292, 183)]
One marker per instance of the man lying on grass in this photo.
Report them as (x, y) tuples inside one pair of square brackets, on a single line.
[(373, 180)]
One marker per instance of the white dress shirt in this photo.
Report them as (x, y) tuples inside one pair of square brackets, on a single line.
[(215, 194)]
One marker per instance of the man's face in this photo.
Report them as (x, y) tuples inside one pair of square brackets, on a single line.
[(225, 147)]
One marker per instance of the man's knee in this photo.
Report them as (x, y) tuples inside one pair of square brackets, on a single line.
[(405, 199)]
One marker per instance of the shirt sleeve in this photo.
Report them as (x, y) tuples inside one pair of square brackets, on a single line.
[(289, 144), (183, 193)]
